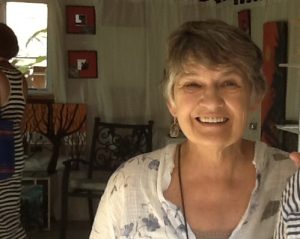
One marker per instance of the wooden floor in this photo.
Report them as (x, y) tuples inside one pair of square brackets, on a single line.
[(76, 230)]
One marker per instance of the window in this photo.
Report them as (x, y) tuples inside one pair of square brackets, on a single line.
[(30, 26)]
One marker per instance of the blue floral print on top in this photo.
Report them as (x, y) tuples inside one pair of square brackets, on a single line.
[(133, 205)]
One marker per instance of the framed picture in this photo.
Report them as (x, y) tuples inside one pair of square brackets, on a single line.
[(82, 64), (80, 19), (244, 20), (275, 50)]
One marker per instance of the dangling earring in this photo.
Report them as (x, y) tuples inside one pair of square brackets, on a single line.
[(174, 128)]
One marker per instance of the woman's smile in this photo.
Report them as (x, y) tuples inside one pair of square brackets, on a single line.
[(212, 120), (211, 105)]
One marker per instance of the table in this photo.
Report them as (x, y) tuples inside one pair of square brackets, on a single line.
[(44, 179)]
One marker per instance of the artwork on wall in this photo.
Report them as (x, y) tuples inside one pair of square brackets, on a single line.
[(82, 64), (244, 20), (236, 2), (80, 19), (275, 37)]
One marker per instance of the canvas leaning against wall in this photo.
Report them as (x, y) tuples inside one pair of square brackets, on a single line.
[(244, 20), (275, 38)]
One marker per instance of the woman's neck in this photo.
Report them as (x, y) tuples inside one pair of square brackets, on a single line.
[(3, 59), (225, 161), (4, 62), (214, 152)]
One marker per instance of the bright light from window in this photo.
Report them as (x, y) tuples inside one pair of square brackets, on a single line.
[(26, 19), (29, 22)]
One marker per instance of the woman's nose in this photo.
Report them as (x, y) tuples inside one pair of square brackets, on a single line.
[(211, 98)]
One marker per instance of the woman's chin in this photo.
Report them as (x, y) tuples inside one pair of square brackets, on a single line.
[(214, 142)]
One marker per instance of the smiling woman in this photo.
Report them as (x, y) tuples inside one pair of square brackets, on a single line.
[(216, 184), (218, 100)]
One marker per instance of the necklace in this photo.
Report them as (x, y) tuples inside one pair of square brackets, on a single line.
[(181, 192)]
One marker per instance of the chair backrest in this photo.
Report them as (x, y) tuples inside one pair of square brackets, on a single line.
[(114, 143)]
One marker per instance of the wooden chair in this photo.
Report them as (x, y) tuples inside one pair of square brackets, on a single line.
[(111, 145)]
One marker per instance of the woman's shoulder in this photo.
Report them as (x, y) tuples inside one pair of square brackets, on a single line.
[(139, 175), (4, 88), (147, 161), (266, 153), (273, 161), (144, 168), (3, 78)]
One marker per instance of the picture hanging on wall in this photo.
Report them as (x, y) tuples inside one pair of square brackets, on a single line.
[(244, 20), (82, 64), (275, 39), (80, 19)]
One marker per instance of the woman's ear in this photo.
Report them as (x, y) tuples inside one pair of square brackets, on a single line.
[(255, 104), (172, 107)]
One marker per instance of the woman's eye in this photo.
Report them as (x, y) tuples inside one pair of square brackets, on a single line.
[(192, 85), (230, 84)]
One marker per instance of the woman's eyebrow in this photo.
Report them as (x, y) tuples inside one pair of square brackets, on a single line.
[(189, 73), (230, 72)]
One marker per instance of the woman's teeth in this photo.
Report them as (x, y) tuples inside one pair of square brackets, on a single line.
[(212, 119)]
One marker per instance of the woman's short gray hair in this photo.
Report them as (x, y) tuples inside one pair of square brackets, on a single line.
[(214, 44)]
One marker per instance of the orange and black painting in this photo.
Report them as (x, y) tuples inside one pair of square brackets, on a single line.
[(244, 21), (275, 38)]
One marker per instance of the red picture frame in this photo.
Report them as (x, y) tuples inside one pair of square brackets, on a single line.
[(275, 50), (82, 64), (244, 20), (80, 19)]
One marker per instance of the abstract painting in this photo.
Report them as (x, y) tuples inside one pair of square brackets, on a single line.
[(82, 64), (80, 19), (244, 20), (275, 39)]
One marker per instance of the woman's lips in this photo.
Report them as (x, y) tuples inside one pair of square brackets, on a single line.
[(212, 120)]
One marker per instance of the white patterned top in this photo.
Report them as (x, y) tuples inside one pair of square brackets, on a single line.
[(133, 205)]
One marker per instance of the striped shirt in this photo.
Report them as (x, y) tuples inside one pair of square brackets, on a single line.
[(10, 188), (288, 225), (13, 110)]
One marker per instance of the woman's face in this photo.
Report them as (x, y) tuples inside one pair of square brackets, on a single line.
[(211, 105)]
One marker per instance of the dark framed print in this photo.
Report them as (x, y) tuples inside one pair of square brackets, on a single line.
[(82, 64), (273, 107), (80, 19), (244, 20)]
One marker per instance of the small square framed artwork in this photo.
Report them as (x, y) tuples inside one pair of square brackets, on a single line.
[(244, 20), (82, 64), (80, 19)]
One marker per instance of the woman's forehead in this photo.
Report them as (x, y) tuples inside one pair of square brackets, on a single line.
[(196, 68)]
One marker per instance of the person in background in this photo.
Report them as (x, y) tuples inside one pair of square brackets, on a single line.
[(216, 184), (13, 90), (288, 225)]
